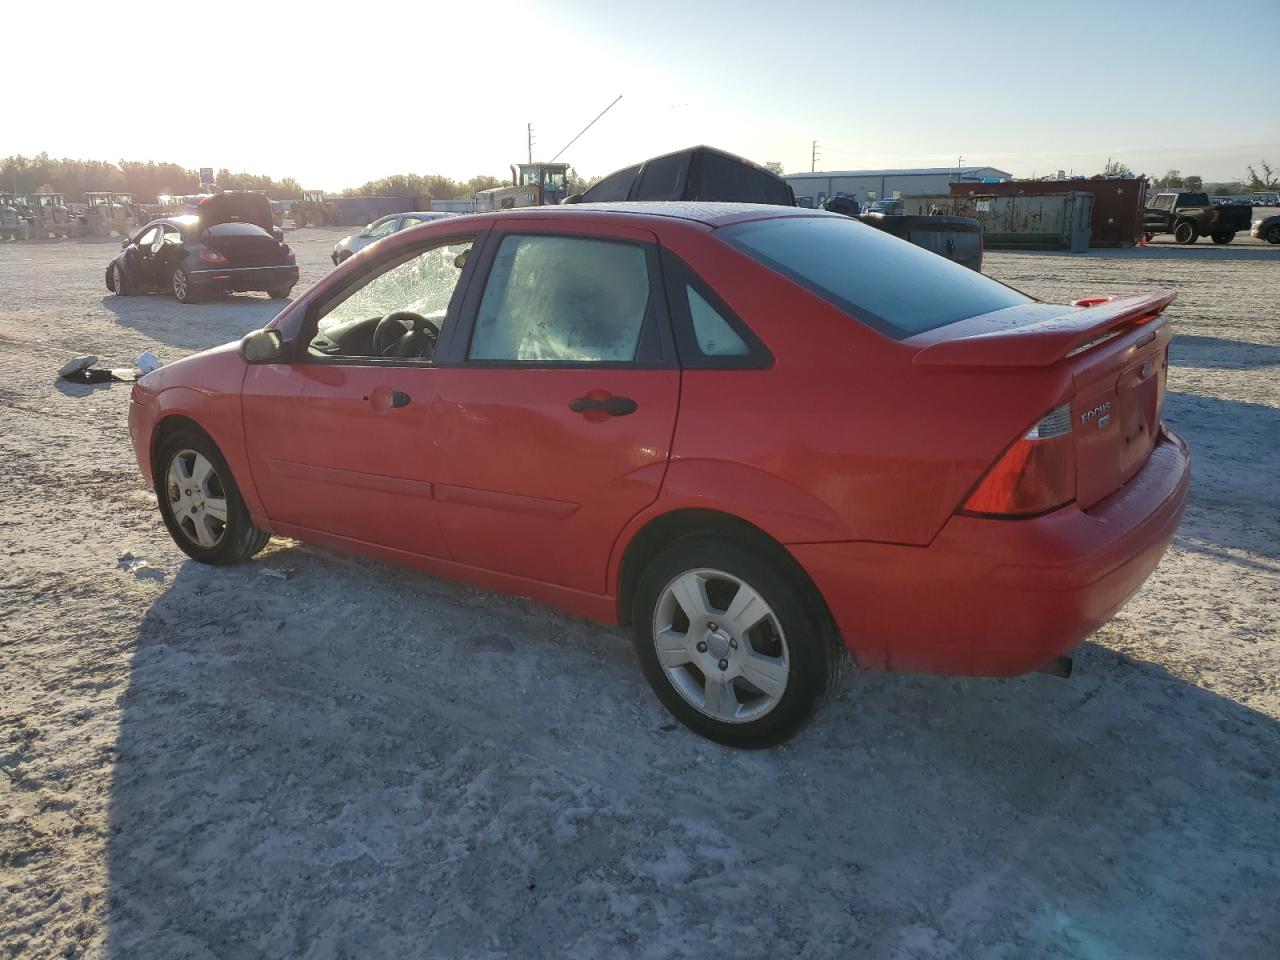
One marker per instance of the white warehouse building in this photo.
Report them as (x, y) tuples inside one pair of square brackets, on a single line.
[(866, 185)]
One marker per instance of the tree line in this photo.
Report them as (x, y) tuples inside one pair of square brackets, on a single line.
[(149, 180)]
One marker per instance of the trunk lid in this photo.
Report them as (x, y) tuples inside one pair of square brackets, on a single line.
[(236, 206), (1116, 351), (244, 244)]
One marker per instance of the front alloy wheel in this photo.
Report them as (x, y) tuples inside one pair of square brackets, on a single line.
[(200, 502), (197, 498), (181, 286)]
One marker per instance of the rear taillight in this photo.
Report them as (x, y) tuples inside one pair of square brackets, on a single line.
[(289, 254), (211, 256), (1035, 475)]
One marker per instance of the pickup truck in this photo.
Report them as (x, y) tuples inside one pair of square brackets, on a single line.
[(1189, 216)]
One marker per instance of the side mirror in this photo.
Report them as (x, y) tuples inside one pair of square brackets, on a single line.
[(125, 243), (278, 234), (262, 346)]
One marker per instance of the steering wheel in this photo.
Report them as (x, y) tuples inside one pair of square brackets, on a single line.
[(392, 336)]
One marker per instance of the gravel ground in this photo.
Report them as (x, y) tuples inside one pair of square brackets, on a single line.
[(359, 761)]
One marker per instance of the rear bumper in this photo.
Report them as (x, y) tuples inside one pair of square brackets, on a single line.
[(245, 278), (999, 597)]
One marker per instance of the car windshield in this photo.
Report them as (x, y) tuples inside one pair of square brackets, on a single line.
[(891, 285)]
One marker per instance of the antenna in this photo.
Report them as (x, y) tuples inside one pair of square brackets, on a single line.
[(586, 128)]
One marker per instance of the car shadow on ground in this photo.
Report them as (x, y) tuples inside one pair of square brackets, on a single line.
[(194, 326), (362, 761), (1217, 353), (1235, 499)]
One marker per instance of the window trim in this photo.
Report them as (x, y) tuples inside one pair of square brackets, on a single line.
[(301, 353), (655, 349), (677, 274)]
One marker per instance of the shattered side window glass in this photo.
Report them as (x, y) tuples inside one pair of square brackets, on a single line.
[(423, 285), (562, 300)]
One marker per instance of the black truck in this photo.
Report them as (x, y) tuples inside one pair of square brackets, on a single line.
[(1190, 216), (705, 173)]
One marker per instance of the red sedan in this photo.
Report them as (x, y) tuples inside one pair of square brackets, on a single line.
[(757, 435)]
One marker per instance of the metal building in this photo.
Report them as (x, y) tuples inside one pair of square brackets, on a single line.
[(866, 185)]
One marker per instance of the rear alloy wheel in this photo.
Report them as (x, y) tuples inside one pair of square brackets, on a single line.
[(182, 291), (1223, 237), (1273, 234), (1186, 232), (118, 281), (735, 649), (201, 503)]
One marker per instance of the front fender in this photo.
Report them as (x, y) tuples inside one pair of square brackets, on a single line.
[(204, 389)]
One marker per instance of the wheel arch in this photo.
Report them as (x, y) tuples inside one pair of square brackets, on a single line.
[(170, 424), (661, 531)]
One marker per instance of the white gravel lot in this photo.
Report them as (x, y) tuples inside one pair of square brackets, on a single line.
[(359, 761)]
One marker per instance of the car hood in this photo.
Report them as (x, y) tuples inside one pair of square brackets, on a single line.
[(235, 207)]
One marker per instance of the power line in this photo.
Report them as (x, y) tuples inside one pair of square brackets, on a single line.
[(586, 128)]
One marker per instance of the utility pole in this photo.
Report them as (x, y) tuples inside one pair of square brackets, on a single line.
[(813, 158), (531, 143)]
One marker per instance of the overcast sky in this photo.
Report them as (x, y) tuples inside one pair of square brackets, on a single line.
[(336, 95)]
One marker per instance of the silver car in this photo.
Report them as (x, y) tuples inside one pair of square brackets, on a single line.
[(382, 227)]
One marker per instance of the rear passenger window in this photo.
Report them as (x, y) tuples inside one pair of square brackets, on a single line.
[(714, 334), (562, 300)]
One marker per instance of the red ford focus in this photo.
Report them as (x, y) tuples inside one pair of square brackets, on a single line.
[(760, 436)]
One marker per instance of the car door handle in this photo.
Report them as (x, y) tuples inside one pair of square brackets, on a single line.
[(610, 405), (383, 399)]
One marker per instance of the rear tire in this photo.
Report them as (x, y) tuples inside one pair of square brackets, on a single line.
[(1223, 237), (201, 503), (1186, 232), (747, 679), (282, 293)]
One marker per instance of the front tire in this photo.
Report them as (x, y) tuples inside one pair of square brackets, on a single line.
[(735, 647), (1223, 237), (1186, 232), (182, 290), (1273, 234), (201, 503), (119, 282)]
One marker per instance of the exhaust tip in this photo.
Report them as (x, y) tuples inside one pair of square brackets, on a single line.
[(1058, 667)]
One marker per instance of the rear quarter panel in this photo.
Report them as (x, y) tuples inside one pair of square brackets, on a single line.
[(856, 443)]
